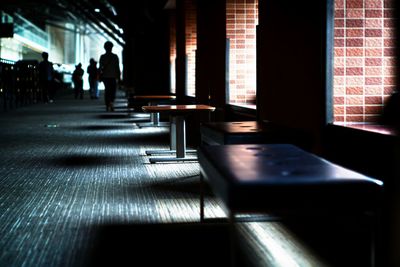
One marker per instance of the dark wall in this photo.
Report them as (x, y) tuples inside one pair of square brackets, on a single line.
[(146, 57), (291, 67), (210, 56)]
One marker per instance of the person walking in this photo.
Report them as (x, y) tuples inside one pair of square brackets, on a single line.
[(46, 76), (109, 74), (77, 78), (93, 73)]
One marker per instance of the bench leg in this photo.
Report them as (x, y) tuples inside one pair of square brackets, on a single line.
[(201, 197)]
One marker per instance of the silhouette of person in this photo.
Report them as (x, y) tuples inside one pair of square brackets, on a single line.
[(93, 73), (77, 78), (46, 76), (110, 74)]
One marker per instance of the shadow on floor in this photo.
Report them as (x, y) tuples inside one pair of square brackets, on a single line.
[(173, 244), (103, 127), (114, 115), (190, 185), (79, 161)]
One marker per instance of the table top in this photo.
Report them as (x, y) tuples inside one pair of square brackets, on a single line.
[(178, 108), (154, 96)]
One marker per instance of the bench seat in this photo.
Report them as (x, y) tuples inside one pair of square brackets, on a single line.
[(282, 178)]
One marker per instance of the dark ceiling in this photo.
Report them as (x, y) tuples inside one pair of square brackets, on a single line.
[(131, 16)]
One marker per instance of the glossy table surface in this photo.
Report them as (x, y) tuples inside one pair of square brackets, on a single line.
[(154, 97), (178, 108)]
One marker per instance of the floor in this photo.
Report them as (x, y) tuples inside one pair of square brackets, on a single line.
[(76, 189)]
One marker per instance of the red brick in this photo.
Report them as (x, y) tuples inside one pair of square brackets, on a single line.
[(339, 4), (339, 71), (339, 33), (354, 71), (355, 110), (354, 90), (373, 13), (352, 118), (338, 118), (388, 90), (354, 13), (373, 52), (389, 80), (354, 23), (389, 71), (389, 52), (373, 4), (389, 42), (354, 100), (373, 33), (338, 110), (373, 62), (355, 42), (373, 42), (354, 62), (389, 13), (372, 118), (339, 23), (389, 3), (354, 4), (354, 32), (373, 100), (373, 71), (338, 42), (373, 81), (338, 52), (373, 90), (338, 100), (388, 23), (374, 23), (373, 109), (354, 52), (339, 13)]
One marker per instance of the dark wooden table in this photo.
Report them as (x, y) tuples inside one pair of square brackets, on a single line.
[(154, 100), (177, 114)]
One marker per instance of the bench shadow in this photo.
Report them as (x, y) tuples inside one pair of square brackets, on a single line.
[(170, 244), (188, 185), (103, 127), (113, 116)]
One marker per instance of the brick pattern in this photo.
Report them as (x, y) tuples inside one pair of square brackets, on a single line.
[(241, 21), (364, 63), (172, 52), (191, 45)]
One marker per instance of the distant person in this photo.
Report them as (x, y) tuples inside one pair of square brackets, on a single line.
[(109, 74), (46, 76), (77, 78), (93, 73)]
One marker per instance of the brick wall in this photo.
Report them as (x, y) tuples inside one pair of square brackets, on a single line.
[(241, 21), (172, 51), (191, 45), (363, 59)]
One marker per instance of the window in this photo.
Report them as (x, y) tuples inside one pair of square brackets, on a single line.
[(364, 60), (191, 46), (241, 21)]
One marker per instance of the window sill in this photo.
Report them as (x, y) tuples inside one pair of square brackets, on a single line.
[(374, 128)]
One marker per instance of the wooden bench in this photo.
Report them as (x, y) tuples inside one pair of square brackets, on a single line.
[(284, 180), (250, 132)]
